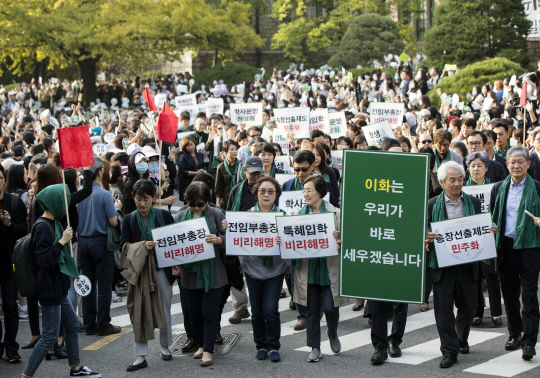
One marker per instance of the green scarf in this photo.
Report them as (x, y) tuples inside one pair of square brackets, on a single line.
[(470, 181), (318, 271), (237, 202), (268, 260), (204, 269), (248, 149), (233, 175), (52, 198), (527, 234), (447, 157), (503, 153), (215, 162), (298, 185), (324, 175), (200, 136), (437, 215), (147, 234)]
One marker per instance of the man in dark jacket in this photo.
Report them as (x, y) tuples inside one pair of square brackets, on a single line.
[(12, 227), (476, 142), (534, 169)]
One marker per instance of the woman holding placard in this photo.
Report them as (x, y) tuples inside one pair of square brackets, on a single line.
[(205, 280), (137, 227), (478, 163), (264, 278), (316, 280)]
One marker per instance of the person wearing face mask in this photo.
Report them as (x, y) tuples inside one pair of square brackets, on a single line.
[(374, 93), (137, 169), (153, 169)]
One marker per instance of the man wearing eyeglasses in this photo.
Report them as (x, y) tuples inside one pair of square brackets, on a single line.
[(425, 141), (476, 143)]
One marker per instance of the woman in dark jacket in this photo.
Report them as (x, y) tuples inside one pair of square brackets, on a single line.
[(190, 163), (320, 168), (54, 265), (137, 169)]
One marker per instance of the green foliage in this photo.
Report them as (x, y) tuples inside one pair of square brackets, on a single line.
[(229, 72), (369, 37), (479, 73), (468, 31)]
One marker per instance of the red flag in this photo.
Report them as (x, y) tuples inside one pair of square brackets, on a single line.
[(148, 97), (167, 125), (75, 147), (523, 99)]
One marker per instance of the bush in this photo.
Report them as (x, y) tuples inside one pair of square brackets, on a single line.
[(230, 72), (479, 73)]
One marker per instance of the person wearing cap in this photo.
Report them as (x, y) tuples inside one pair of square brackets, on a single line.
[(97, 263), (137, 169), (12, 100)]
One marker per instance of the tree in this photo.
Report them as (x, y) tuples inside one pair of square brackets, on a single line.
[(369, 37), (87, 32), (468, 31)]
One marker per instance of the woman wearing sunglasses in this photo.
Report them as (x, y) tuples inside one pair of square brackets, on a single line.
[(204, 281), (264, 277)]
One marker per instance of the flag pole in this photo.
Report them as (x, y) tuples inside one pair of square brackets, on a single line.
[(159, 187), (67, 213)]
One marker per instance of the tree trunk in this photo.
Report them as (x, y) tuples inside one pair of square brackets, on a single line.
[(87, 68), (215, 62), (258, 31)]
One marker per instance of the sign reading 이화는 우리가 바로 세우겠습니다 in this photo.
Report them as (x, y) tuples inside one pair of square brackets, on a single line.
[(383, 225)]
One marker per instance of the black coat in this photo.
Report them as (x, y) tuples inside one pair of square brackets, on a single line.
[(187, 164), (529, 256), (131, 233), (15, 231), (474, 268), (534, 169), (495, 172), (502, 161)]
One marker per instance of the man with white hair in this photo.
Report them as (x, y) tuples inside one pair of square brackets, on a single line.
[(454, 284), (518, 249)]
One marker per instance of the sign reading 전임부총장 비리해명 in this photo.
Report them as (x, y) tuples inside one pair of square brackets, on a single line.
[(383, 225)]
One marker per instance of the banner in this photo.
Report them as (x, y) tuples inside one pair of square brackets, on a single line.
[(160, 99), (282, 162), (337, 156), (464, 240), (186, 100), (250, 114), (384, 111), (337, 124), (181, 136), (214, 106), (318, 120), (482, 192), (307, 236), (293, 201), (282, 140), (282, 178), (182, 243), (383, 225), (375, 133), (251, 233), (293, 121), (191, 109)]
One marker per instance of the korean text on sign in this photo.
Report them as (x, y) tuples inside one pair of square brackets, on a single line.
[(293, 121), (251, 233), (293, 201), (391, 112), (250, 114)]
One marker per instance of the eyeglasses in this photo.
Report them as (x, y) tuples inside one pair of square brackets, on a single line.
[(308, 191), (476, 144), (519, 162), (199, 204), (144, 200), (426, 141), (269, 192), (301, 169)]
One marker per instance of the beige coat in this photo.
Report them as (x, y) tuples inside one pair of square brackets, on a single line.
[(301, 275), (143, 299)]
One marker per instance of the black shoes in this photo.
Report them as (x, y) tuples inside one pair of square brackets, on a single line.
[(497, 322), (190, 346), (13, 357), (464, 349), (512, 343), (379, 357), (393, 350), (476, 322), (283, 294), (448, 362), (528, 352), (56, 351), (219, 339), (138, 366), (32, 344)]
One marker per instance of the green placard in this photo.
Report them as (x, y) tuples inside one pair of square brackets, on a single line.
[(383, 225)]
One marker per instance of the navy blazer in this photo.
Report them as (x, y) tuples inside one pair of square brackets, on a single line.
[(474, 268), (186, 164), (529, 256)]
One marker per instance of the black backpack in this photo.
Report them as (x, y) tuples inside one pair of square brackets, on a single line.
[(23, 262)]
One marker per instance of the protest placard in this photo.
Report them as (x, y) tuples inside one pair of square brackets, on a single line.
[(337, 156), (482, 192), (160, 99), (282, 162), (282, 140), (318, 120), (385, 111), (293, 121), (337, 124), (182, 243), (383, 225), (181, 88), (293, 201), (282, 178), (99, 149), (307, 236), (250, 114), (181, 136), (267, 134), (109, 137), (464, 240), (191, 109), (375, 133), (185, 100), (213, 106), (251, 233)]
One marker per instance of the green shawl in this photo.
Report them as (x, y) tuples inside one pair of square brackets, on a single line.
[(470, 181), (52, 198), (147, 234), (237, 202), (318, 271), (204, 269), (298, 185), (268, 260), (447, 157), (503, 153), (527, 234), (437, 215), (249, 149), (233, 175)]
